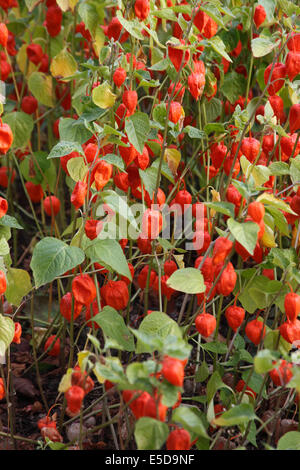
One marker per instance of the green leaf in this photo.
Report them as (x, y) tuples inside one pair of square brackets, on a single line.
[(289, 441), (21, 125), (148, 178), (64, 148), (109, 253), (114, 160), (114, 327), (52, 258), (194, 133), (279, 168), (213, 109), (18, 285), (213, 11), (283, 257), (262, 46), (7, 333), (165, 13), (279, 219), (215, 347), (120, 206), (215, 127), (263, 361), (73, 130), (157, 325), (31, 4), (295, 169), (40, 86), (245, 233), (202, 373), (289, 8), (226, 208), (134, 27), (219, 47), (214, 384), (4, 246), (137, 128), (274, 341), (234, 86), (9, 221), (150, 434), (239, 414), (189, 417), (188, 280), (89, 15)]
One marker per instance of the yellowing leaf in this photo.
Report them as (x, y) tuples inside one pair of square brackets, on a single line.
[(64, 5), (65, 382), (77, 168), (81, 356), (179, 261), (215, 198), (103, 97), (294, 238), (63, 65), (100, 378), (40, 86), (267, 198), (260, 174), (268, 239), (22, 60), (7, 331), (172, 157), (98, 43)]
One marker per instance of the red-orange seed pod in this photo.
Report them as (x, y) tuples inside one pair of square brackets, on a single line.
[(102, 174), (152, 223), (291, 331), (3, 34), (6, 138), (142, 277), (235, 316), (292, 306), (55, 346), (256, 210), (92, 228), (222, 248), (51, 205), (282, 375), (179, 439), (205, 324), (255, 331), (130, 99), (173, 371), (78, 194), (3, 206), (115, 294), (84, 289), (3, 283), (259, 15), (2, 389), (18, 333), (66, 307), (74, 396), (227, 281)]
